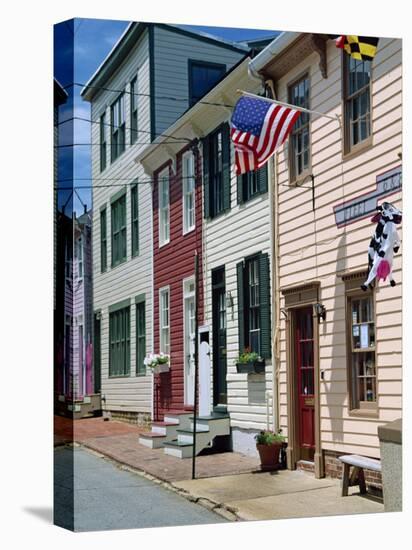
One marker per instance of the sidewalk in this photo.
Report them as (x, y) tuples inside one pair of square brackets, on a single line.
[(228, 483)]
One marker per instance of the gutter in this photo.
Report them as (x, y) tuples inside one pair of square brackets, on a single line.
[(272, 50)]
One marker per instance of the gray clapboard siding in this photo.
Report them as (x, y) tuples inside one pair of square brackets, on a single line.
[(172, 51)]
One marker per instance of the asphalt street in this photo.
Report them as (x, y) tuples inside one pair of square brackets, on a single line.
[(105, 497)]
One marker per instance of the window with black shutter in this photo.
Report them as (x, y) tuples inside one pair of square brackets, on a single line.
[(251, 184), (216, 173), (254, 324)]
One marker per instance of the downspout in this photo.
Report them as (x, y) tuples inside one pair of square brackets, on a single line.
[(274, 234), (274, 272)]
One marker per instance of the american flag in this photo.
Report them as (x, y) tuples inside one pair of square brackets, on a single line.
[(258, 128)]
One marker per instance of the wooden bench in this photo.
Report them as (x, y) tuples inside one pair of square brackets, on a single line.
[(357, 477)]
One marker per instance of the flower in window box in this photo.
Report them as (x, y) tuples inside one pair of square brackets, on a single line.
[(250, 362), (157, 363)]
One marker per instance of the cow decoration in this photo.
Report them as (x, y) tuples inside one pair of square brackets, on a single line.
[(384, 243)]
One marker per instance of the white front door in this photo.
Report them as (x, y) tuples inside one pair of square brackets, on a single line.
[(189, 340)]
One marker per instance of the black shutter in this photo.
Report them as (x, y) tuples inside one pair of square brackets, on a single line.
[(240, 189), (240, 306), (264, 309), (262, 176), (226, 166), (206, 178)]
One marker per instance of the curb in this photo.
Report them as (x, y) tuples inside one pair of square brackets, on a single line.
[(228, 512)]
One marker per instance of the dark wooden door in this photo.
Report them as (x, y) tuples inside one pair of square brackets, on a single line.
[(305, 371), (96, 354), (219, 337)]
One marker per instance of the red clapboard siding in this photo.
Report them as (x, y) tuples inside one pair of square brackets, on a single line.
[(173, 263)]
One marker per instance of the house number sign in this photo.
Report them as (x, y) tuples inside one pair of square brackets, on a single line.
[(363, 206)]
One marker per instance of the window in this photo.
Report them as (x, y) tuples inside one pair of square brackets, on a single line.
[(133, 110), (299, 148), (118, 219), (202, 77), (135, 220), (67, 347), (361, 356), (252, 305), (118, 127), (103, 142), (357, 101), (103, 240), (81, 344), (79, 257), (252, 184), (140, 338), (119, 342), (216, 172), (165, 321), (188, 177), (164, 208), (253, 282), (68, 261)]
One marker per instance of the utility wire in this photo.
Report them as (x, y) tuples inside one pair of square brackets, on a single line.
[(84, 119), (99, 144), (169, 98), (128, 183)]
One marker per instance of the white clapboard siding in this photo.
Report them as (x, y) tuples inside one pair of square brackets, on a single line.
[(343, 249)]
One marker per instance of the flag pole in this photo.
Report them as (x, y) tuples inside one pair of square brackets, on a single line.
[(302, 109)]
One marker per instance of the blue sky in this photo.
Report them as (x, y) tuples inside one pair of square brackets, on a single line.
[(80, 46)]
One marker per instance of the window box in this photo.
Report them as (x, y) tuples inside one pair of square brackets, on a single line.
[(164, 367), (252, 367)]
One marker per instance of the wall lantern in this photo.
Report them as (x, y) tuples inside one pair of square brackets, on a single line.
[(320, 311), (229, 302)]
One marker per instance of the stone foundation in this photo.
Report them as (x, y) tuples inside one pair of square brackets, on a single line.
[(131, 417)]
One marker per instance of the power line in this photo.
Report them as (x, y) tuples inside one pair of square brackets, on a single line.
[(127, 182), (99, 144), (84, 119), (113, 179), (169, 98)]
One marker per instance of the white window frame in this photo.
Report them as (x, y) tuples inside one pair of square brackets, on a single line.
[(163, 325), (164, 209), (186, 179)]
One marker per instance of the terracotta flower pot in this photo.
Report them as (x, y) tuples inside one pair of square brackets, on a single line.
[(269, 455)]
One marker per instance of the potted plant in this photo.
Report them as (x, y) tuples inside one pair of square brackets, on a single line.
[(157, 363), (269, 444), (250, 361)]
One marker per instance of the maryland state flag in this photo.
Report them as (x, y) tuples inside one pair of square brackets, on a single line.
[(359, 47)]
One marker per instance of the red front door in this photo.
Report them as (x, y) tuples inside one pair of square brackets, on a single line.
[(305, 382)]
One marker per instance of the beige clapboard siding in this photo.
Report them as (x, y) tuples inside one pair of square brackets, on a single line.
[(343, 249), (133, 277)]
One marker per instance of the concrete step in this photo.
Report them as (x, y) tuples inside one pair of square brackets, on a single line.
[(203, 437), (153, 440), (165, 428), (178, 449), (217, 424), (181, 418)]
